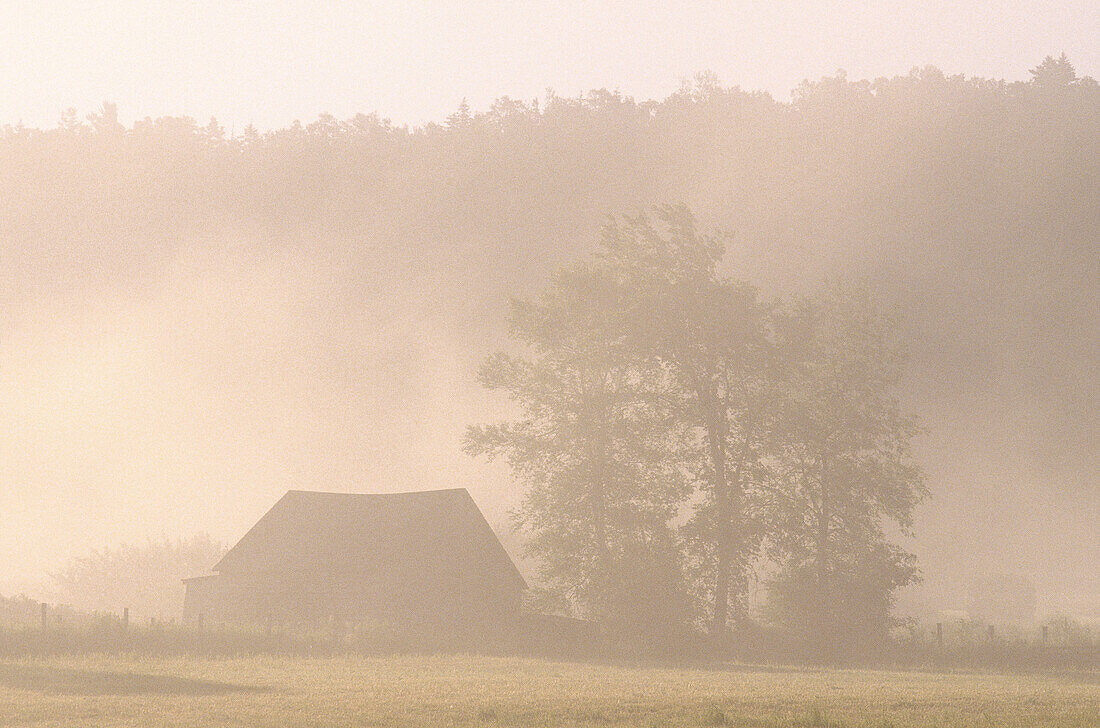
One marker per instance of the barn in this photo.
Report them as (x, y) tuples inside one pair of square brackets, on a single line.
[(425, 561)]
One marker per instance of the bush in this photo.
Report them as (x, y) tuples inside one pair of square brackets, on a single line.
[(146, 579)]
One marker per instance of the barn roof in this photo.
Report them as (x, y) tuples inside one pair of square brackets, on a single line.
[(418, 531)]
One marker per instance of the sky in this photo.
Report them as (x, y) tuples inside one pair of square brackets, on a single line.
[(270, 63)]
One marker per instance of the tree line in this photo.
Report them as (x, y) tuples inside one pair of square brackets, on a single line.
[(975, 193), (915, 182), (674, 431)]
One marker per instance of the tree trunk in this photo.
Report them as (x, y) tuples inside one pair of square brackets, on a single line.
[(822, 541), (716, 442), (597, 498)]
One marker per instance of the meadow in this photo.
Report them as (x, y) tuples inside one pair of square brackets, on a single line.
[(462, 690)]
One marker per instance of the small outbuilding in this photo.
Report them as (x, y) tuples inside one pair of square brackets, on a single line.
[(426, 561)]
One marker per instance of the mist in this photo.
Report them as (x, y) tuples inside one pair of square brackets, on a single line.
[(578, 363), (196, 322)]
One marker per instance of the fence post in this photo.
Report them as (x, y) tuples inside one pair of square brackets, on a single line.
[(939, 633), (991, 633), (125, 618), (1044, 634), (45, 617)]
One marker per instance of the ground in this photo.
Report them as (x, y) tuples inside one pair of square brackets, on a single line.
[(483, 691)]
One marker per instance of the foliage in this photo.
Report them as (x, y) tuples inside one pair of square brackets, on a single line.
[(855, 620), (975, 194), (1054, 72), (1064, 630), (845, 468), (658, 389), (19, 611), (592, 449), (710, 334), (147, 579)]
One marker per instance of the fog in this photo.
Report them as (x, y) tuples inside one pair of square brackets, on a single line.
[(197, 319)]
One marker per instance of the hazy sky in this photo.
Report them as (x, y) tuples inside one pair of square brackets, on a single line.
[(275, 61)]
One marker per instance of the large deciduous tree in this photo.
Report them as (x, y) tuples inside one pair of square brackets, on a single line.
[(592, 446), (845, 470), (711, 334)]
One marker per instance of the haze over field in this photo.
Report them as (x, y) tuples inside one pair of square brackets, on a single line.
[(195, 320)]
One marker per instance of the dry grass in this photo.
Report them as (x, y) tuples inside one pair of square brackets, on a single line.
[(482, 691)]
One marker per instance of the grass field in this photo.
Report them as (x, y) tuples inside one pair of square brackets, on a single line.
[(484, 691)]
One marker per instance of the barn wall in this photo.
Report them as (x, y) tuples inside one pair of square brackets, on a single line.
[(298, 596)]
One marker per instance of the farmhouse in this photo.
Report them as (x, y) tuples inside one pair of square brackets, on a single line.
[(424, 561)]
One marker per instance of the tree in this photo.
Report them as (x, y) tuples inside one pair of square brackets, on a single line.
[(679, 359), (1054, 72), (711, 335), (862, 579), (105, 121), (591, 448), (147, 579), (461, 118), (845, 468)]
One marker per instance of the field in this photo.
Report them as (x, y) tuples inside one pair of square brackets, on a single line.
[(450, 690)]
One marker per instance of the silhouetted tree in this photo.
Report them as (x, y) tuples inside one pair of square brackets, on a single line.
[(148, 579), (105, 122), (845, 468), (861, 580), (591, 448), (1054, 72), (711, 334)]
